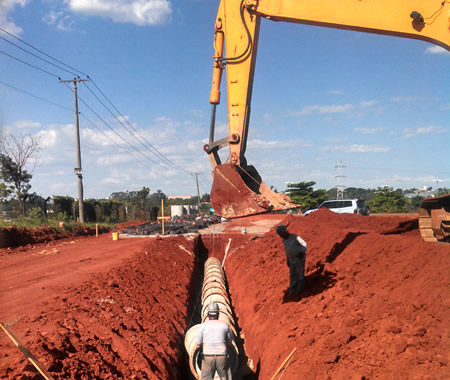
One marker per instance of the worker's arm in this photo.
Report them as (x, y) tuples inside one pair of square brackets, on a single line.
[(199, 340), (301, 241), (229, 339)]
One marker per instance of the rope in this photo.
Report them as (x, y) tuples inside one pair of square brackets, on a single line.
[(246, 172)]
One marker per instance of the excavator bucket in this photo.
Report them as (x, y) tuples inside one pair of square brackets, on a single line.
[(434, 219), (238, 192)]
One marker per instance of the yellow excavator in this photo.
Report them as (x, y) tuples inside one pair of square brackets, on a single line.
[(238, 189)]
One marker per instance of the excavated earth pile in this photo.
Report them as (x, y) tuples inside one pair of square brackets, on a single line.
[(19, 236), (375, 304), (127, 323)]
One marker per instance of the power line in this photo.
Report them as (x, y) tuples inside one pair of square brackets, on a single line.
[(110, 139), (125, 126), (149, 146), (159, 153), (155, 151), (29, 64), (205, 180), (34, 55), (71, 109), (40, 51), (37, 97), (121, 137)]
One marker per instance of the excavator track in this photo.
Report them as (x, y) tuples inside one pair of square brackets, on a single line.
[(434, 219)]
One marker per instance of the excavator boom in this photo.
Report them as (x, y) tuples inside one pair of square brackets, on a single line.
[(238, 189)]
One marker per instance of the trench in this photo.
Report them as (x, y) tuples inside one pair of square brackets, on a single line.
[(212, 246)]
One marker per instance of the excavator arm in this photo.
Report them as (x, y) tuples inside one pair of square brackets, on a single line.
[(238, 189)]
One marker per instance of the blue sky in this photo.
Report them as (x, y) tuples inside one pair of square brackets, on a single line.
[(379, 104)]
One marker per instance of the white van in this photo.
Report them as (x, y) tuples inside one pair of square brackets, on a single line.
[(344, 206)]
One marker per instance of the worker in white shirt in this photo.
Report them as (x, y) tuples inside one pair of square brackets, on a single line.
[(215, 337)]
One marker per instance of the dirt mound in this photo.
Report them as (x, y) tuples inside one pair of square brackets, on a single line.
[(19, 236), (372, 308), (125, 324)]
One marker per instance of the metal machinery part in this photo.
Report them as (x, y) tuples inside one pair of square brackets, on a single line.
[(213, 290), (238, 189), (434, 219)]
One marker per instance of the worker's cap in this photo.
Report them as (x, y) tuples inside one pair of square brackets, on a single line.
[(281, 229), (213, 309)]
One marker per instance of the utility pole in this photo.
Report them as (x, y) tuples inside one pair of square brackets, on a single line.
[(78, 171), (340, 187), (198, 192), (288, 188)]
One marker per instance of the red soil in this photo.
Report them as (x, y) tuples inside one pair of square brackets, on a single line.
[(98, 308), (375, 304), (12, 237)]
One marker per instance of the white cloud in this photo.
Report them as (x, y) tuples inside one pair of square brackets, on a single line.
[(326, 109), (112, 159), (26, 124), (139, 12), (6, 6), (117, 177), (368, 131), (430, 130), (400, 181), (335, 140), (357, 148), (221, 130), (48, 138), (368, 103), (436, 50), (404, 99), (197, 113), (162, 130), (333, 108), (335, 92), (60, 20), (261, 144), (57, 188)]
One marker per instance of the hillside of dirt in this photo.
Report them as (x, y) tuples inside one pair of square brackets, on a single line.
[(13, 237), (375, 306), (123, 323), (376, 303)]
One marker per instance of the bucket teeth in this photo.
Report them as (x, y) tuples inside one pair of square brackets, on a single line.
[(238, 192)]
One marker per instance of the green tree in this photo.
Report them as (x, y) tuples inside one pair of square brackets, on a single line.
[(443, 191), (19, 179), (387, 200), (63, 205), (413, 204), (5, 191), (17, 152), (142, 196), (302, 193), (205, 198), (352, 193), (155, 198)]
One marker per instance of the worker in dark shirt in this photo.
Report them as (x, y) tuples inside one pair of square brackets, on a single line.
[(295, 248)]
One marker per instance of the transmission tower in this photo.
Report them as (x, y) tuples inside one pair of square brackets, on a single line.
[(340, 187)]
